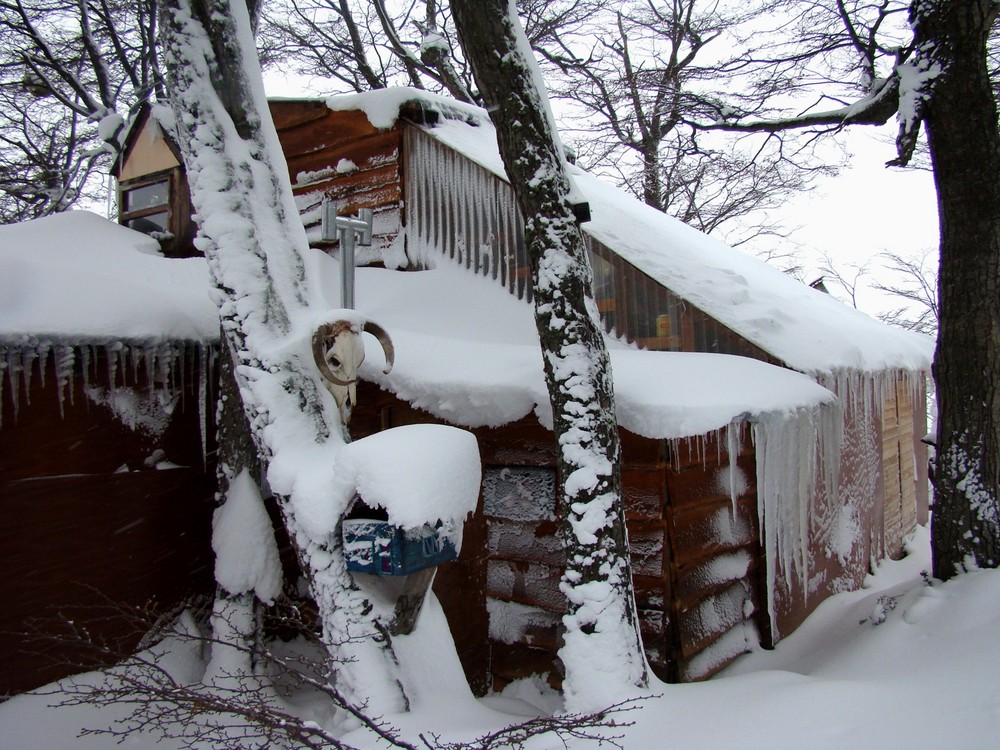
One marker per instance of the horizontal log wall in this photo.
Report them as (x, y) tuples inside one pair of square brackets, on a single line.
[(502, 596), (716, 554)]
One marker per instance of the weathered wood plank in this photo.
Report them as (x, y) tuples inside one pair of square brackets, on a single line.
[(526, 583)]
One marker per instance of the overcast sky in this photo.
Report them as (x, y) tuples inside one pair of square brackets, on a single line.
[(867, 209)]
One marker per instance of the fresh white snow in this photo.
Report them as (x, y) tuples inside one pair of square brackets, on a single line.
[(467, 351), (923, 678), (419, 474), (78, 278), (246, 555)]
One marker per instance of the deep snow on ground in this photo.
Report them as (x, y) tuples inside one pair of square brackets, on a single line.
[(923, 677)]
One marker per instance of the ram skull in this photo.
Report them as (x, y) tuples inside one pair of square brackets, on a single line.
[(339, 351)]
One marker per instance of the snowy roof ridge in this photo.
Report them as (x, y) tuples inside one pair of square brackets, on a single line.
[(806, 329), (383, 107)]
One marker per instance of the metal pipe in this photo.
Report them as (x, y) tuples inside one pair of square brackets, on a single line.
[(350, 231)]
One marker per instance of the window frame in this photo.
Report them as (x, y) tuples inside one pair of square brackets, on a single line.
[(167, 176)]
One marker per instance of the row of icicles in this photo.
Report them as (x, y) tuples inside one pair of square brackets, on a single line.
[(66, 370)]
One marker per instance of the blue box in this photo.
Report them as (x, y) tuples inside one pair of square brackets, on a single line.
[(372, 546)]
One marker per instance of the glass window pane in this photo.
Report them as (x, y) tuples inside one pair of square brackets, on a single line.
[(149, 224), (147, 196)]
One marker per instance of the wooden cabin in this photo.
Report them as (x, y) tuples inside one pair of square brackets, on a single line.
[(434, 179), (709, 577)]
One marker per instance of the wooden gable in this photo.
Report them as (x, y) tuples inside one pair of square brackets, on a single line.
[(341, 156), (153, 194), (147, 150)]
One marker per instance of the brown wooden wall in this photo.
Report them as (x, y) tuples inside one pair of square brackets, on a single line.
[(86, 519), (688, 544), (716, 559), (902, 455), (315, 140)]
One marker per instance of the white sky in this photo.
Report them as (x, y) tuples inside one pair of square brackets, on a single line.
[(867, 209)]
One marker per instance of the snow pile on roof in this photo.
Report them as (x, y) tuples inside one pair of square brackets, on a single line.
[(78, 278), (806, 329), (468, 352), (382, 107)]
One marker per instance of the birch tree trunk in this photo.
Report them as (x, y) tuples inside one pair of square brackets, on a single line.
[(269, 304), (602, 654)]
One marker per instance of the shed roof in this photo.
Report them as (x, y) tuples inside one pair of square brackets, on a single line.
[(76, 278), (809, 331), (466, 350)]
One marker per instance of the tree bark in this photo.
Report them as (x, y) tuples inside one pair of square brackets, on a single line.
[(961, 124), (602, 654), (255, 245)]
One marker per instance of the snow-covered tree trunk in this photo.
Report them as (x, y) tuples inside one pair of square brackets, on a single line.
[(953, 94), (269, 305), (247, 563), (602, 654)]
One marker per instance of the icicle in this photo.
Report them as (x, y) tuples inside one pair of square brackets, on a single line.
[(148, 354), (86, 360), (28, 357), (733, 447), (179, 371), (63, 363), (203, 375), (797, 463), (41, 358), (114, 354), (4, 367)]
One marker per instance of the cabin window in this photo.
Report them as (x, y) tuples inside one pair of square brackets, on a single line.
[(145, 206)]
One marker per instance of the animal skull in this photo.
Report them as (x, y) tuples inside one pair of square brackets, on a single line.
[(339, 352)]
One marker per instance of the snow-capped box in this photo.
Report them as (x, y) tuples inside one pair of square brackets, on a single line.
[(373, 546)]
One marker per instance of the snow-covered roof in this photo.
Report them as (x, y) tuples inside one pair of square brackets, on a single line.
[(467, 351), (806, 329), (76, 278)]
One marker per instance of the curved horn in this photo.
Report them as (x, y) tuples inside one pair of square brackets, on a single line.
[(383, 338), (319, 349)]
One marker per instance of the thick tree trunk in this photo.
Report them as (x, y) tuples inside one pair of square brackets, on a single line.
[(602, 653), (961, 122), (255, 245)]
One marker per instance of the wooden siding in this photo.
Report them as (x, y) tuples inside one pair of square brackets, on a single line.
[(899, 468), (149, 152), (502, 596), (643, 311), (87, 517), (342, 156), (460, 210), (716, 556)]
